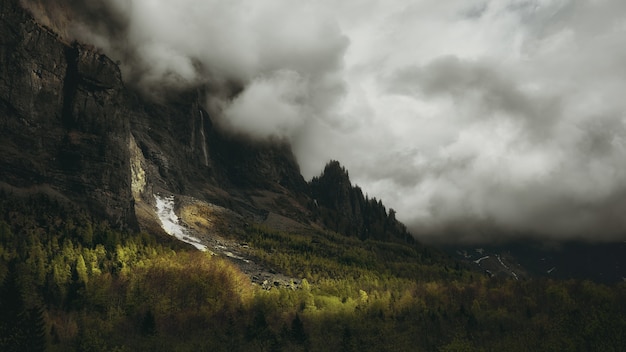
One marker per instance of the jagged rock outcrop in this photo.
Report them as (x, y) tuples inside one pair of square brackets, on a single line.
[(343, 208), (62, 122)]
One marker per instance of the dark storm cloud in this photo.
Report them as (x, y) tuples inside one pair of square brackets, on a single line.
[(285, 56), (481, 85), (529, 127)]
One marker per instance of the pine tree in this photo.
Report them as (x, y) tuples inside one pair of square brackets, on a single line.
[(34, 327), (148, 324), (298, 334), (21, 329)]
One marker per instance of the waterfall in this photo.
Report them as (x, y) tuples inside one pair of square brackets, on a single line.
[(204, 148), (169, 222)]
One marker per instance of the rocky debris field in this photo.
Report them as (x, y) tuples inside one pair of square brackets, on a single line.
[(220, 231)]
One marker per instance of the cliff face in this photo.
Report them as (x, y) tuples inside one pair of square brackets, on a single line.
[(342, 207), (68, 124), (61, 119)]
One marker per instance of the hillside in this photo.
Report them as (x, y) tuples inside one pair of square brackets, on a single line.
[(72, 282)]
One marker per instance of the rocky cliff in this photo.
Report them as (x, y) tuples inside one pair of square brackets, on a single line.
[(343, 208), (63, 123), (70, 126)]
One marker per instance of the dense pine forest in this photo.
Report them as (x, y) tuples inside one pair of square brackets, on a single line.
[(70, 282)]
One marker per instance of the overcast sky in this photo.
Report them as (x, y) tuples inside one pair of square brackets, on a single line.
[(473, 119)]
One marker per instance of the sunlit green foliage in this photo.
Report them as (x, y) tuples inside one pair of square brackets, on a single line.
[(71, 283)]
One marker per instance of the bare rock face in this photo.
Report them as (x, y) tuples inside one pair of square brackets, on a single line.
[(68, 123), (62, 122), (340, 206), (182, 152)]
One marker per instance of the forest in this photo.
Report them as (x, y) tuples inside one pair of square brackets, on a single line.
[(72, 282)]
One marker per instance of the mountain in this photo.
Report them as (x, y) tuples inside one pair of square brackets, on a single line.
[(599, 262), (128, 223), (72, 128), (343, 208)]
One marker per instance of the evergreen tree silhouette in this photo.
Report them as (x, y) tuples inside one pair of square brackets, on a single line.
[(21, 329)]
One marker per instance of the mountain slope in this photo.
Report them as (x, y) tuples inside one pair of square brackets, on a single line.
[(71, 125), (599, 262)]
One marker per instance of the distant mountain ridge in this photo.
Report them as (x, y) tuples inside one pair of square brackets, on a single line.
[(600, 262)]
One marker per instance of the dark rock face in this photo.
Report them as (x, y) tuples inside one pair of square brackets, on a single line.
[(190, 155), (62, 122), (67, 122), (343, 208), (255, 164)]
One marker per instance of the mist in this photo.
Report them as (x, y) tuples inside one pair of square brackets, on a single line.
[(476, 120)]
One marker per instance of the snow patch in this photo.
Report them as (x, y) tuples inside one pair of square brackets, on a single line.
[(170, 224), (464, 254), (507, 268), (481, 259)]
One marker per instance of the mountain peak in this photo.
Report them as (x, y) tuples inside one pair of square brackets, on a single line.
[(343, 208), (334, 167), (334, 175)]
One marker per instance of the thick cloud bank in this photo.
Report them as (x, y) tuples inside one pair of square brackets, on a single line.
[(286, 56), (474, 119)]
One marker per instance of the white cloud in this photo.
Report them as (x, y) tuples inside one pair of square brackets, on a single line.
[(507, 122), (272, 106)]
